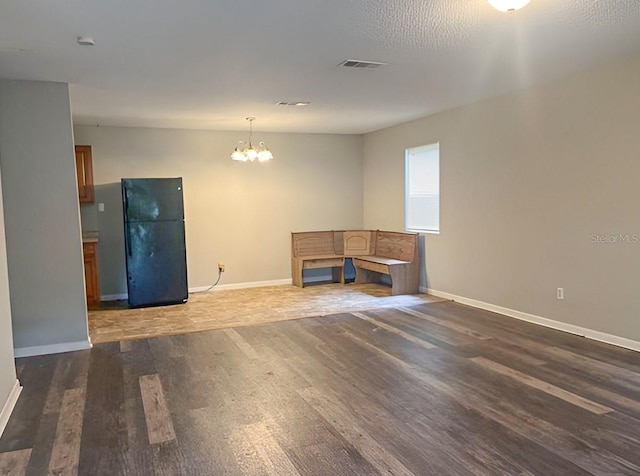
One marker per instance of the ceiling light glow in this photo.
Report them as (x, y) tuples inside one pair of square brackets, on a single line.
[(508, 5)]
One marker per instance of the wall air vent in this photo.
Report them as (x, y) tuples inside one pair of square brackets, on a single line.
[(351, 63)]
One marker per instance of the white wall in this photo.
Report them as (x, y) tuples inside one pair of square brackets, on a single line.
[(526, 180), (42, 219), (7, 365), (241, 214)]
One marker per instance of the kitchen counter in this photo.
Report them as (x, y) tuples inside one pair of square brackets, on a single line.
[(90, 237)]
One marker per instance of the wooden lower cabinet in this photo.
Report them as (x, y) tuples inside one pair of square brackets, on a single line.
[(91, 273)]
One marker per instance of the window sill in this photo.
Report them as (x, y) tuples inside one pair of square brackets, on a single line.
[(424, 232)]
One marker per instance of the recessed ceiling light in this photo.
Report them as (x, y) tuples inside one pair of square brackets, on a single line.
[(86, 41), (293, 103)]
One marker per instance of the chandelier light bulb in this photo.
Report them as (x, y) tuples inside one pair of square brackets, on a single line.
[(246, 152), (508, 5), (264, 154), (238, 155), (252, 154)]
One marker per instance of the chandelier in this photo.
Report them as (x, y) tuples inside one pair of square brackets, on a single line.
[(508, 5), (245, 152)]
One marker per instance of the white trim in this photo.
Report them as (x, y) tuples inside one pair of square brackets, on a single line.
[(542, 321), (113, 297), (226, 287), (51, 348), (253, 284), (9, 405), (220, 287)]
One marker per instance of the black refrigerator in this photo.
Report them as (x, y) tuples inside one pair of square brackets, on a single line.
[(154, 241)]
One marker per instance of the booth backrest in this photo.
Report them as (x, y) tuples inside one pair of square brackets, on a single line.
[(385, 244), (400, 246), (316, 243), (359, 243)]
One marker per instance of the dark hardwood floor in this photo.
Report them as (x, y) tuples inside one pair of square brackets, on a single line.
[(437, 388)]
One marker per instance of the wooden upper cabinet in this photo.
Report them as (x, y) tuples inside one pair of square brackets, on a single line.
[(84, 173)]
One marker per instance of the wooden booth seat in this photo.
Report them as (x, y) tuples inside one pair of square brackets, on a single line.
[(390, 253), (316, 249), (373, 253)]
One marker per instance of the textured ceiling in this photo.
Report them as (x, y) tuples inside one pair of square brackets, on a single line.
[(207, 64)]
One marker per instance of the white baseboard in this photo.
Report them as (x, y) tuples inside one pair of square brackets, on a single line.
[(8, 406), (223, 287), (542, 321), (219, 287), (51, 348), (253, 284), (226, 287), (113, 297)]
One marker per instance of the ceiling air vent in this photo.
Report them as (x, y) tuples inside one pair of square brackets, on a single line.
[(293, 103), (351, 63)]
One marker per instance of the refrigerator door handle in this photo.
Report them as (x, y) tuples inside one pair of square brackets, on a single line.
[(126, 214), (128, 242)]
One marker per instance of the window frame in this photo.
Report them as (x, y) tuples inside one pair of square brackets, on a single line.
[(407, 175)]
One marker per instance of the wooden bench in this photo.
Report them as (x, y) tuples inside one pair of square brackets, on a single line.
[(373, 253), (385, 253), (316, 249)]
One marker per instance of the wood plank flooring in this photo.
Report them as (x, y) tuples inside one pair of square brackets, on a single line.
[(433, 388)]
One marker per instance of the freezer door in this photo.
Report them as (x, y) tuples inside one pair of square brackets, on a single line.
[(156, 263), (152, 199)]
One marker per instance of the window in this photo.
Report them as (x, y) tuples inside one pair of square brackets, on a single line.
[(422, 188)]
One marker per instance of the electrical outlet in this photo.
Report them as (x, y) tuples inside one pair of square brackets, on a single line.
[(221, 267), (560, 293)]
